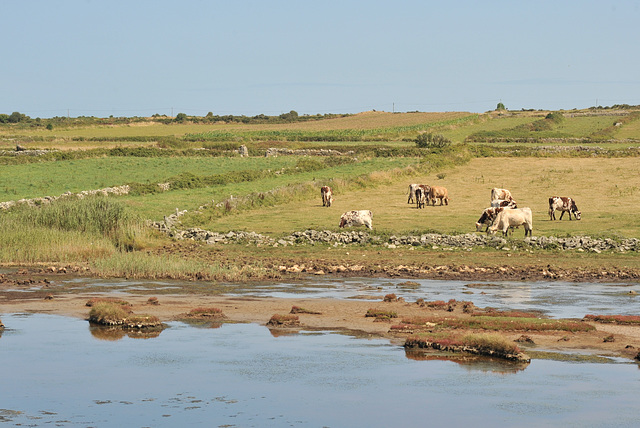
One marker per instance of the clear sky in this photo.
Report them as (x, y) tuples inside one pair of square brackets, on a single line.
[(140, 57)]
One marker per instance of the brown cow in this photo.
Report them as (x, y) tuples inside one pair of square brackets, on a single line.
[(327, 196), (438, 192), (564, 204)]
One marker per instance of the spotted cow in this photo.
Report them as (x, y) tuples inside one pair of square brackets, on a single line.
[(487, 218), (357, 218), (564, 204)]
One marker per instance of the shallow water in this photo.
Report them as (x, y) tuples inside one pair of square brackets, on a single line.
[(554, 299), (57, 371)]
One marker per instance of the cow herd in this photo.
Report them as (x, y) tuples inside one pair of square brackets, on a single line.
[(503, 214)]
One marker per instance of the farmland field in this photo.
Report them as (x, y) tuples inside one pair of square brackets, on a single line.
[(377, 158)]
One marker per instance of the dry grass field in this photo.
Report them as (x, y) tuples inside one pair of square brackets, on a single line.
[(607, 192)]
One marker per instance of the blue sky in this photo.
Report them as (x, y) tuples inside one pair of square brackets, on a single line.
[(137, 58)]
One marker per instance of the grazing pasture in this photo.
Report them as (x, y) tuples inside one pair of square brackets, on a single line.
[(606, 190)]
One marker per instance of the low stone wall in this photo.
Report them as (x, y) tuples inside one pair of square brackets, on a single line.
[(273, 151), (34, 202), (432, 240)]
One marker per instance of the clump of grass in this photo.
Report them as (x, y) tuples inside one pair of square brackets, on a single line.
[(299, 310), (153, 301), (112, 314), (202, 312), (441, 304), (380, 314), (488, 344), (279, 320), (614, 319), (390, 298), (108, 313), (113, 300), (482, 344)]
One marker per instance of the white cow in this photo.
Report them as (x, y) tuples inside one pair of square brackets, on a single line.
[(513, 218), (357, 218)]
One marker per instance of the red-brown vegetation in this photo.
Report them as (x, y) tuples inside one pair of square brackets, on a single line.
[(614, 319)]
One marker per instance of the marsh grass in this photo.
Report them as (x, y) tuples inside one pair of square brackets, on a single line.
[(139, 264), (108, 313), (280, 320), (614, 319), (208, 312), (488, 343), (69, 230), (113, 300)]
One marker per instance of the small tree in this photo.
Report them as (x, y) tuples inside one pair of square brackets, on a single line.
[(501, 107), (432, 141), (181, 117), (50, 126)]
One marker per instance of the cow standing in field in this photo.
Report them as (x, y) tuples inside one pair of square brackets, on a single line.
[(511, 218), (414, 187), (564, 204), (412, 192), (327, 196), (420, 197), (497, 193), (438, 192), (357, 218)]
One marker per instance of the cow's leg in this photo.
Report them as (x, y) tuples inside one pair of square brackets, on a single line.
[(562, 213)]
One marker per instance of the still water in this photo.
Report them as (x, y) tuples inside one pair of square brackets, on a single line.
[(56, 371)]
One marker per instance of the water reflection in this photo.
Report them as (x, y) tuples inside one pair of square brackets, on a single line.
[(53, 373), (116, 333), (470, 362)]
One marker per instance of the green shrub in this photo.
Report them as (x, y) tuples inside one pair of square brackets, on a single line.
[(432, 141)]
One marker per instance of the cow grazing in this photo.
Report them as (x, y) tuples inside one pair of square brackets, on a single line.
[(500, 194), (357, 218), (487, 218), (564, 204), (327, 196), (510, 218), (504, 203), (438, 192)]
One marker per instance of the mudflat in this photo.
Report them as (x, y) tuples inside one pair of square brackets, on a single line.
[(23, 291)]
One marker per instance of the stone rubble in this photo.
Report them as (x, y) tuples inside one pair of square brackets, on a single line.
[(465, 241)]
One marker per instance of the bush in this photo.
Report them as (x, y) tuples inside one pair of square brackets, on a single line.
[(432, 141)]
